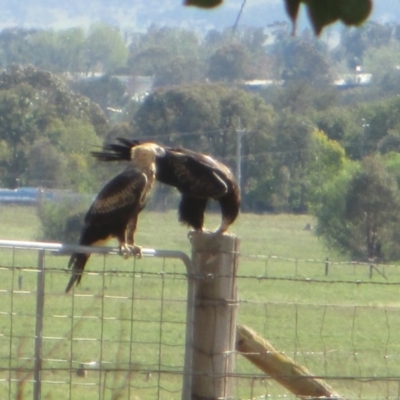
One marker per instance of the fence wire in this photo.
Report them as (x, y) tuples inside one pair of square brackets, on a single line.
[(121, 333), (340, 320)]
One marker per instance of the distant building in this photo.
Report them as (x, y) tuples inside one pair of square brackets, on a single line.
[(357, 78), (137, 87), (257, 84)]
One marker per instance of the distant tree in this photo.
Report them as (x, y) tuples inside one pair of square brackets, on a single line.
[(364, 127), (171, 55), (62, 221), (215, 39), (359, 210), (19, 126), (375, 121), (300, 97), (336, 122), (149, 61), (327, 159), (378, 34), (355, 42), (304, 62), (179, 71), (188, 111), (45, 51), (38, 116), (292, 151), (389, 84), (229, 63), (71, 49), (251, 39), (56, 51), (60, 100), (45, 165), (390, 142), (105, 49), (15, 47), (387, 55), (106, 91), (176, 41)]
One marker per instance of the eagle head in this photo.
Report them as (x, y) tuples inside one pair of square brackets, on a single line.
[(144, 154)]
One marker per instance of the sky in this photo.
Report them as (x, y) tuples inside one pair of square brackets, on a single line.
[(140, 14)]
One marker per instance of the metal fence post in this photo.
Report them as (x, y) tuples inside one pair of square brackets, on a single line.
[(215, 261), (39, 327)]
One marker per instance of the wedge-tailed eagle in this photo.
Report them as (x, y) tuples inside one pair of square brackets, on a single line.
[(197, 176), (115, 210)]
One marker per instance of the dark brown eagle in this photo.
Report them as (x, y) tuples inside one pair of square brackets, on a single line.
[(197, 176), (115, 210)]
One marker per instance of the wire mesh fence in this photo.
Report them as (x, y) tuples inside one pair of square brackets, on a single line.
[(340, 320), (122, 333)]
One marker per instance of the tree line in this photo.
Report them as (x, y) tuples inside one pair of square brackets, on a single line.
[(306, 145), (177, 56)]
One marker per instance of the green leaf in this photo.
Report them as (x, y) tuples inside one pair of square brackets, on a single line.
[(203, 3), (322, 13), (292, 8), (354, 12)]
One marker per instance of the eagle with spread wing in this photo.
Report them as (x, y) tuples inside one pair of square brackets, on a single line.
[(197, 176), (114, 212)]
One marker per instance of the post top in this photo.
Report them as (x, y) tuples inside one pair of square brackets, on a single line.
[(213, 242)]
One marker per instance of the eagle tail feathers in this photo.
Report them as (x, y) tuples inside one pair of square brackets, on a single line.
[(77, 262)]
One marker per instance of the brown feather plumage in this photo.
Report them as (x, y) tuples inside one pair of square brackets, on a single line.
[(197, 176), (115, 210)]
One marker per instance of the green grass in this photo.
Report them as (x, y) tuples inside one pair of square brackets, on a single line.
[(330, 324)]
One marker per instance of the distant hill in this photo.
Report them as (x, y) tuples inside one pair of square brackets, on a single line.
[(139, 14)]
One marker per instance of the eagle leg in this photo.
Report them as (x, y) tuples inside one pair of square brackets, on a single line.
[(225, 223), (127, 250), (191, 233)]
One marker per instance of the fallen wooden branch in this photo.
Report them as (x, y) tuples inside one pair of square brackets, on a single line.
[(293, 376)]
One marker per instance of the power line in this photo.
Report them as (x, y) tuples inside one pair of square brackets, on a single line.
[(238, 17)]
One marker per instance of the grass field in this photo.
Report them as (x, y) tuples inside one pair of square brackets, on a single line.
[(129, 324)]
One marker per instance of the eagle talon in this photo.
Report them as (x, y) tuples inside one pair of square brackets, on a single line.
[(128, 250), (190, 234), (124, 251), (136, 251)]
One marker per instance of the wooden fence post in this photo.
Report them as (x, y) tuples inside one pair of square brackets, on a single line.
[(215, 262)]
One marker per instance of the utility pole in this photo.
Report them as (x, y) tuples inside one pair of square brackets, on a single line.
[(364, 126), (239, 134)]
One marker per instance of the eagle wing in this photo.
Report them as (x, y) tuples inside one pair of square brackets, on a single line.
[(194, 175), (120, 200), (127, 191)]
